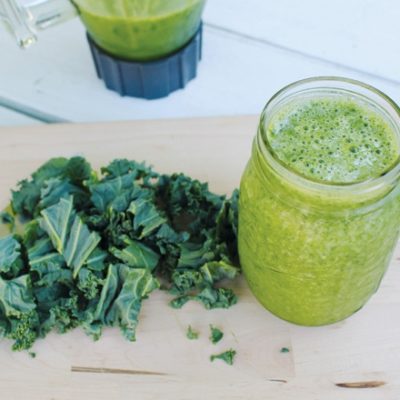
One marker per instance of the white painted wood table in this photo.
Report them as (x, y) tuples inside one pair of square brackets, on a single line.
[(251, 49)]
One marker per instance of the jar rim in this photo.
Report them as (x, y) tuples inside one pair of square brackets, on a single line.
[(387, 106)]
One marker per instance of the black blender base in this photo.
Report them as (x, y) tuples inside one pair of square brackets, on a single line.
[(151, 79)]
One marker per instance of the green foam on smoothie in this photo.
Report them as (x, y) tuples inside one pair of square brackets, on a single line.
[(333, 140)]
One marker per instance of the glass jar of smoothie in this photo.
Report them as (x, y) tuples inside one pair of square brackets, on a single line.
[(319, 211)]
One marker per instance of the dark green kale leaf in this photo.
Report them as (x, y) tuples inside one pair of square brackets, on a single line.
[(228, 357), (108, 293), (55, 189), (216, 334), (24, 330), (89, 283), (16, 296), (97, 260), (216, 298), (51, 269), (188, 203), (69, 235), (136, 255), (18, 316), (25, 200), (113, 194), (146, 215), (216, 271), (122, 167), (137, 284), (60, 314), (10, 255)]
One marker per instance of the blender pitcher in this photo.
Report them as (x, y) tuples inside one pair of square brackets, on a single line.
[(141, 48)]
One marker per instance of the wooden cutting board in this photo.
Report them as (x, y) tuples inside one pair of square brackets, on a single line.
[(363, 351)]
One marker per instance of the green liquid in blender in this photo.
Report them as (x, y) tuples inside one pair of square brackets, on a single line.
[(141, 30)]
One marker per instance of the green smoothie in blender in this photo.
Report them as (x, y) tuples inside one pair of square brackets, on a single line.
[(141, 29)]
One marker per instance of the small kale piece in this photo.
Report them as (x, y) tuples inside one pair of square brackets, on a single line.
[(227, 356), (89, 283), (191, 334), (285, 350), (216, 334)]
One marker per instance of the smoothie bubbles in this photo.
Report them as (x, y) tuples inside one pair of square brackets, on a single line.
[(319, 212), (141, 48)]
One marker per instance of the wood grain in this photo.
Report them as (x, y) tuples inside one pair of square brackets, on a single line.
[(163, 363)]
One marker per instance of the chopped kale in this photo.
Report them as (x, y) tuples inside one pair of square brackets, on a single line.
[(227, 356), (93, 246), (216, 334)]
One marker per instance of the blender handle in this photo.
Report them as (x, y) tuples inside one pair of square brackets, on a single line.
[(26, 20)]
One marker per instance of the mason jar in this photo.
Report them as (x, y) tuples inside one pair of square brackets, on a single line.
[(313, 252)]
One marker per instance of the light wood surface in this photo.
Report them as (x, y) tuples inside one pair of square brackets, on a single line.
[(163, 364), (251, 49)]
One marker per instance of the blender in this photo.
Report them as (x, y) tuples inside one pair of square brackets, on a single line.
[(141, 48)]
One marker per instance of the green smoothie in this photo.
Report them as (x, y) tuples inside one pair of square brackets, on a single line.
[(313, 243), (141, 29)]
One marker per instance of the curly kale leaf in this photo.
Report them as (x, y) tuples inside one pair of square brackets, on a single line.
[(25, 200), (146, 215), (89, 283), (10, 255), (24, 330), (124, 312), (69, 235), (122, 167), (210, 297), (114, 194), (16, 296), (136, 255), (18, 315)]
